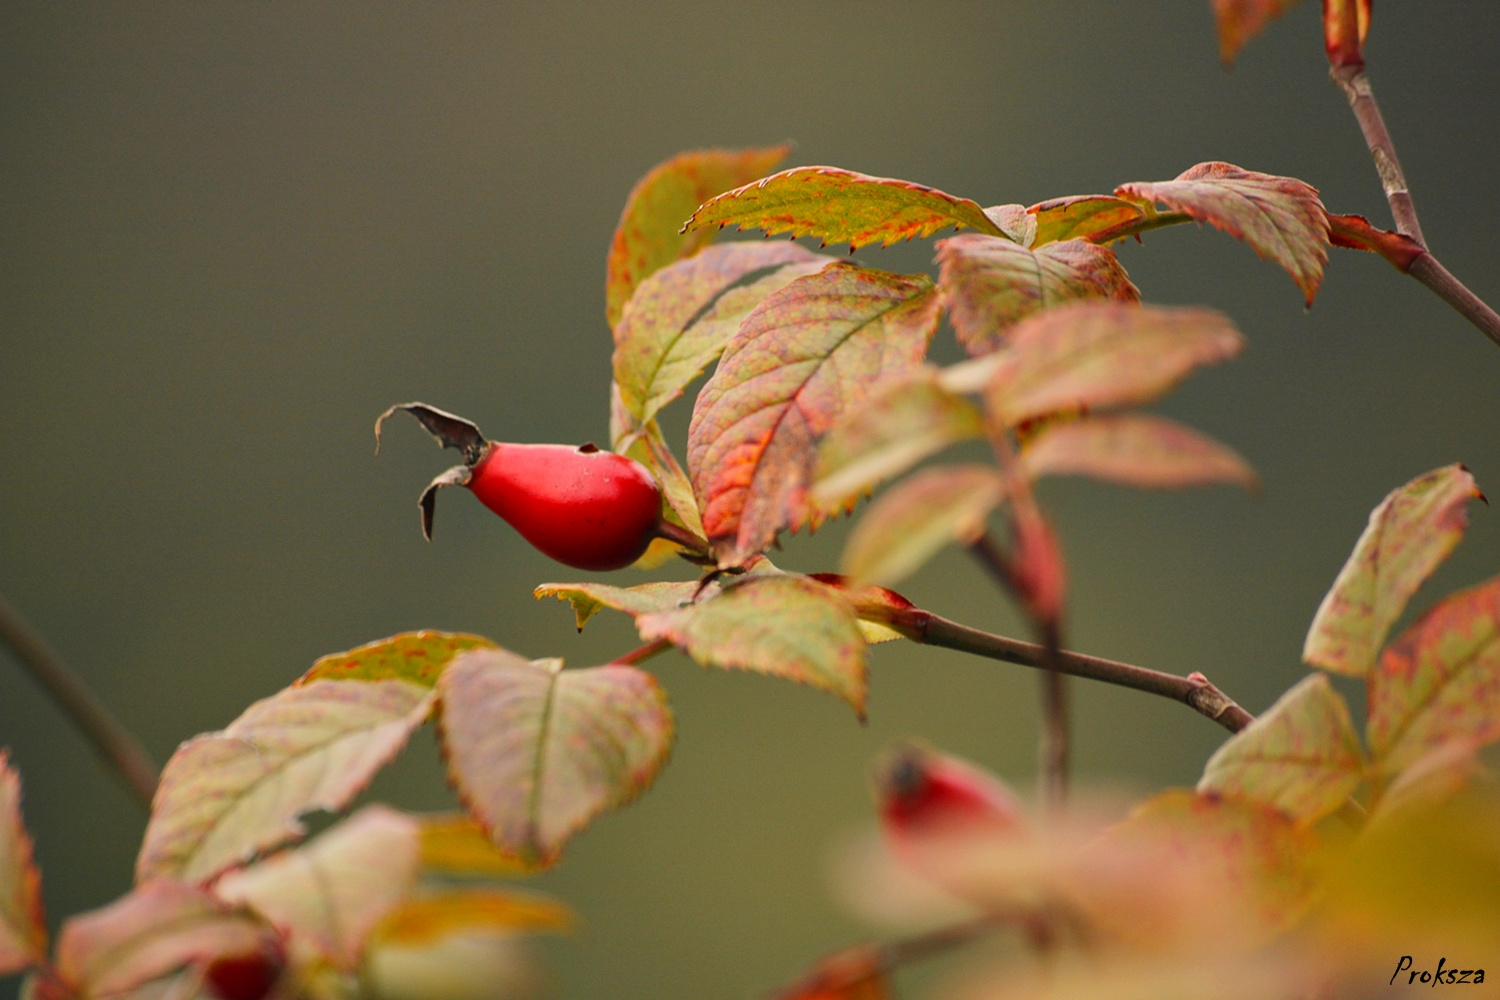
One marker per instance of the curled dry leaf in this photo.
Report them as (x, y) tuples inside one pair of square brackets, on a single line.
[(417, 657), (1280, 217), (1134, 449), (23, 927), (1410, 533), (649, 236), (1302, 756), (536, 752), (228, 795), (918, 517), (840, 206)]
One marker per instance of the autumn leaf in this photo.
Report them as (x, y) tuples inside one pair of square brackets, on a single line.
[(1302, 756), (23, 927), (840, 206), (1354, 232), (781, 625), (1095, 355), (1280, 217), (228, 795), (680, 318), (879, 610), (1135, 449), (916, 518), (644, 443), (418, 657), (161, 928), (435, 915), (859, 973), (648, 236), (807, 353), (1086, 216), (1409, 534), (1238, 21), (536, 752), (331, 891), (1439, 682), (913, 418), (588, 598), (454, 844), (989, 284)]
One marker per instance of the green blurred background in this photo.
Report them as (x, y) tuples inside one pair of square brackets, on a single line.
[(232, 233)]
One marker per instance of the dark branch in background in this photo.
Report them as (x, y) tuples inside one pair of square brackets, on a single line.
[(112, 740)]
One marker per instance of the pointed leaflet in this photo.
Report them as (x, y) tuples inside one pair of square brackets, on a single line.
[(1095, 355), (228, 795), (1086, 216), (914, 417), (536, 752), (1135, 449), (1409, 534), (1302, 756), (23, 929), (160, 928), (781, 625), (331, 891), (454, 844), (418, 657), (915, 519), (588, 598), (433, 916), (1280, 217), (1238, 21), (1439, 683), (989, 284), (681, 317), (820, 345), (648, 236), (841, 206)]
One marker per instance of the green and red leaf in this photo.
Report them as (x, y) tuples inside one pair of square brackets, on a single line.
[(332, 891), (1238, 21), (536, 752), (649, 234), (23, 927), (781, 625), (1412, 530), (417, 657), (807, 354), (1302, 756), (840, 206), (1082, 216), (588, 598), (1092, 355), (989, 284), (229, 795), (1280, 217), (1135, 449), (916, 518), (1439, 682)]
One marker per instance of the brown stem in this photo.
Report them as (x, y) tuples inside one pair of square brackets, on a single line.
[(112, 740), (1355, 83), (1471, 307), (642, 653)]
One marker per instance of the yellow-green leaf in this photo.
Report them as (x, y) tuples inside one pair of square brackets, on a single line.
[(1238, 21), (536, 752), (645, 443), (1135, 449), (588, 598), (454, 844), (1302, 756), (918, 517), (782, 625), (840, 206), (418, 657), (1409, 534), (23, 927), (649, 235), (433, 916), (1086, 216)]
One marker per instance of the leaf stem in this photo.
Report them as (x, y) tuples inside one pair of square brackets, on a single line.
[(641, 654), (112, 740)]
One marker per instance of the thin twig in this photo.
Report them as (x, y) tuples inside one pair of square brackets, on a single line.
[(112, 740), (642, 653), (1430, 272)]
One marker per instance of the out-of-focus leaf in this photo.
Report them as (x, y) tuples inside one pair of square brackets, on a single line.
[(453, 844), (681, 317), (1432, 779), (418, 657), (1280, 217), (226, 796), (23, 927), (1239, 21), (459, 967), (915, 519), (858, 973), (1135, 449), (1095, 355), (536, 752), (649, 236), (333, 890), (1409, 534), (806, 354), (1302, 756), (645, 443), (432, 916), (588, 598), (782, 625), (990, 284), (1439, 682), (1083, 216), (840, 206), (159, 929), (1037, 573), (893, 430)]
